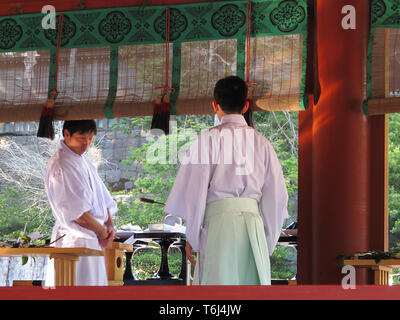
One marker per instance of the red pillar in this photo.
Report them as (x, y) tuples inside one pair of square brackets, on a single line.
[(304, 220), (338, 154)]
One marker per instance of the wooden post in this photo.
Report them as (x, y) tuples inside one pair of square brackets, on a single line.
[(114, 256), (64, 269), (381, 274)]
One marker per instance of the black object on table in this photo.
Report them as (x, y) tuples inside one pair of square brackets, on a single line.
[(165, 239), (288, 241)]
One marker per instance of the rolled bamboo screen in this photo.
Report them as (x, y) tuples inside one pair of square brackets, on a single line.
[(100, 68)]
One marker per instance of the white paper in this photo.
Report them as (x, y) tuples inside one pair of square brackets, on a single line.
[(130, 227), (130, 240)]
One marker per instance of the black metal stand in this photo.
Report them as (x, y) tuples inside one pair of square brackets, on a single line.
[(128, 275), (181, 245), (163, 273), (164, 240)]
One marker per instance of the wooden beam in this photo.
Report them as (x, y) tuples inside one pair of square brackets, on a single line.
[(383, 106), (12, 7), (379, 155)]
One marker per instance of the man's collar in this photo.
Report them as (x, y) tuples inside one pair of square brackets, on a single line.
[(64, 147), (236, 118)]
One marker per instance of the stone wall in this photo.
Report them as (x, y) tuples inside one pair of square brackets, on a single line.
[(12, 269), (114, 146)]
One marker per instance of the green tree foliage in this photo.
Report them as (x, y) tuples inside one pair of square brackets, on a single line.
[(16, 216), (394, 180)]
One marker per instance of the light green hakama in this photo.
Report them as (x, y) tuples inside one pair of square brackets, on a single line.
[(236, 249)]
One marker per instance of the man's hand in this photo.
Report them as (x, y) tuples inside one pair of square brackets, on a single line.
[(110, 223), (104, 235), (105, 242), (189, 255), (110, 227), (111, 232)]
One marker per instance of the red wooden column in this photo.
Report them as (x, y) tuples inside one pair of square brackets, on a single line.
[(304, 219), (336, 147)]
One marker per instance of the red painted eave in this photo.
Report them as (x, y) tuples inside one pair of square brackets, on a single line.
[(11, 7)]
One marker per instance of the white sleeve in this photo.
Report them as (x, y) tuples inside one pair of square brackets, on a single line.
[(188, 195), (70, 193), (273, 202), (110, 202)]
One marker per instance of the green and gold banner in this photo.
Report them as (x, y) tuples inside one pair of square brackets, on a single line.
[(207, 40), (146, 25)]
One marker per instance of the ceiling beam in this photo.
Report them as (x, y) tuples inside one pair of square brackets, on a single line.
[(12, 7)]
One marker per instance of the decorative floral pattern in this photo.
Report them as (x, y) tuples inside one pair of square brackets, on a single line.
[(142, 17), (396, 5), (68, 31), (378, 9), (10, 33), (287, 16), (86, 35), (228, 20), (146, 24), (178, 24), (259, 19), (114, 27), (198, 22), (33, 27)]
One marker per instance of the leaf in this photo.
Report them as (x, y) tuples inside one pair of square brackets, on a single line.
[(24, 260), (25, 238), (5, 244), (341, 259)]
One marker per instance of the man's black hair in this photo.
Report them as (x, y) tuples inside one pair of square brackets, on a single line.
[(81, 126), (231, 94)]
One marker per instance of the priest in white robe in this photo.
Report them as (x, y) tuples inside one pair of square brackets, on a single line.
[(231, 193), (80, 202)]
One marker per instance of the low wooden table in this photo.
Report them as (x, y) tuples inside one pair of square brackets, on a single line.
[(64, 260), (114, 262), (381, 269)]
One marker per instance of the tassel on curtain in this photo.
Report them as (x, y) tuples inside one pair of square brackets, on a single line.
[(46, 123), (248, 115), (162, 112), (162, 106)]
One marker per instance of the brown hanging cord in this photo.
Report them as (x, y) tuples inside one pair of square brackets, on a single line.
[(162, 107), (46, 123), (248, 115)]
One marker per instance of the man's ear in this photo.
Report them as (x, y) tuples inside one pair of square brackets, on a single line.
[(246, 106), (66, 133), (215, 105)]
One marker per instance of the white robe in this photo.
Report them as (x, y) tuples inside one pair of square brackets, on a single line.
[(250, 169), (74, 187)]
